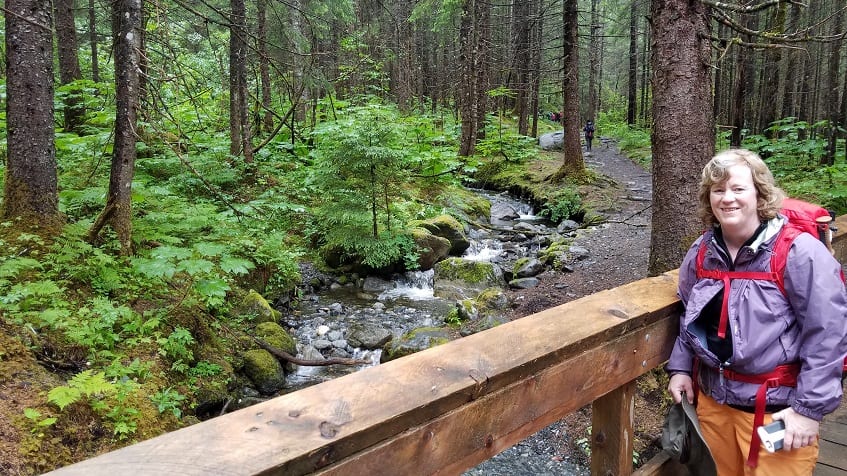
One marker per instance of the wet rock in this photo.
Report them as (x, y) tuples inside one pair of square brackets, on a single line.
[(503, 212), (256, 308), (264, 371), (457, 278), (373, 284), (481, 324), (321, 344), (447, 227), (414, 341), (368, 336), (431, 248), (276, 336), (527, 267)]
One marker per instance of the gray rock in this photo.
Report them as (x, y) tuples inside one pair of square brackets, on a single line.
[(567, 225), (529, 268), (552, 140), (503, 211), (579, 253), (524, 283), (321, 344), (368, 336), (376, 285)]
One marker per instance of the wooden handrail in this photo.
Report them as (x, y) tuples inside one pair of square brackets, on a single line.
[(445, 409)]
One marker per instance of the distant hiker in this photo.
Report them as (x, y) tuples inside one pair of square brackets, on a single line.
[(589, 134)]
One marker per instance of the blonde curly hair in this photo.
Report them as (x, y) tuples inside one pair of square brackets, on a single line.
[(768, 195)]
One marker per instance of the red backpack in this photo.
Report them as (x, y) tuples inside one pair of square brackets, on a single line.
[(802, 217)]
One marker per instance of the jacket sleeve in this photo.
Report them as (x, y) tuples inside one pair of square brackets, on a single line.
[(682, 357), (817, 295)]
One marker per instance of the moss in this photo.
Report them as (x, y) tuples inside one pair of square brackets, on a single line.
[(263, 370), (275, 335), (414, 341), (457, 269), (519, 264), (255, 307)]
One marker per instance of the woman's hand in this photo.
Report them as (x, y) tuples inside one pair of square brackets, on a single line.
[(681, 383), (800, 431)]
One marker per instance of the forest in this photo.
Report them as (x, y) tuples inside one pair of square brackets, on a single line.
[(161, 160)]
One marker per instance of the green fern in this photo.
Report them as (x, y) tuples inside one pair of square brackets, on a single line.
[(86, 383)]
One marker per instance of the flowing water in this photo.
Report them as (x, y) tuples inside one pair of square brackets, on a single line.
[(403, 303)]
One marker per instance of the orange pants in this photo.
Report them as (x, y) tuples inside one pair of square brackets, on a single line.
[(728, 431)]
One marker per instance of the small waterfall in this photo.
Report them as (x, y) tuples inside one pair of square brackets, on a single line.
[(413, 285)]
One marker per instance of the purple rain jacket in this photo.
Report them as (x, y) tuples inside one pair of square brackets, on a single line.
[(808, 326)]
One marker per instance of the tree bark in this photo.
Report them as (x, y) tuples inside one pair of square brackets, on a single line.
[(126, 25), (832, 101), (68, 61), (683, 132), (264, 66), (239, 126), (521, 62), (593, 63), (467, 90), (632, 87), (92, 40), (31, 187), (573, 162)]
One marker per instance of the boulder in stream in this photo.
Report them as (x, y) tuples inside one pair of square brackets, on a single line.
[(457, 278), (413, 341)]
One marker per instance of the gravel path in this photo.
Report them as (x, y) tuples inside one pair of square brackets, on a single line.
[(618, 254)]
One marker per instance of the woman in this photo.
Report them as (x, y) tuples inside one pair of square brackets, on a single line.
[(728, 349)]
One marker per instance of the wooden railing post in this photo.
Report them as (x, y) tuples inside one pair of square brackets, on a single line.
[(612, 438)]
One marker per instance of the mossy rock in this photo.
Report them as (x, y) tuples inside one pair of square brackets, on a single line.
[(448, 227), (256, 308), (264, 371), (491, 299), (457, 278), (276, 336), (413, 341), (431, 248)]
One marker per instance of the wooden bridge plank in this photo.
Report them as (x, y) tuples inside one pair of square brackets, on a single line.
[(310, 429), (485, 427)]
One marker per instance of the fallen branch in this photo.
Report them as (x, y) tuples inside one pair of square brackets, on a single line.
[(281, 354)]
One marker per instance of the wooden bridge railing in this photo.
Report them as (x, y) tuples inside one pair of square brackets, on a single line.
[(448, 408)]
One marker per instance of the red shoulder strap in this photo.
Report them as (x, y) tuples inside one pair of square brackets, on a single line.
[(780, 253)]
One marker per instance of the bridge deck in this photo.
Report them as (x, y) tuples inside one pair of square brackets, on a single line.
[(833, 455)]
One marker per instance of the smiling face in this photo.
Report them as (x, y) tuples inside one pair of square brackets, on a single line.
[(733, 203)]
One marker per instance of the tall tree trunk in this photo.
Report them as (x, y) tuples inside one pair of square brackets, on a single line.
[(521, 62), (833, 101), (126, 26), (573, 162), (468, 94), (683, 131), (404, 51), (632, 87), (92, 41), (738, 94), (482, 65), (646, 110), (264, 65), (239, 126), (593, 63), (790, 89), (769, 87), (68, 61), (31, 188), (537, 38)]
